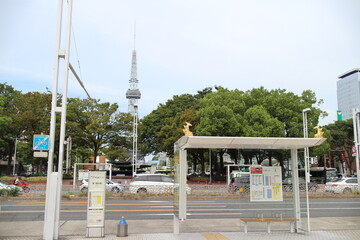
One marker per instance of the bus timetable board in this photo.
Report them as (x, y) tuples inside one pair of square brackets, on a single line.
[(265, 184), (95, 221)]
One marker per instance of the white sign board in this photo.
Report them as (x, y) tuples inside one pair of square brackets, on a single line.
[(41, 154), (265, 184), (95, 223)]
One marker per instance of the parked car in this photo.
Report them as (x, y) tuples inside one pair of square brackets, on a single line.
[(342, 185), (110, 186), (7, 187), (153, 183), (288, 186), (240, 184)]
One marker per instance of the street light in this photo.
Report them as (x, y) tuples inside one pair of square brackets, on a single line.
[(306, 159), (16, 142), (306, 150)]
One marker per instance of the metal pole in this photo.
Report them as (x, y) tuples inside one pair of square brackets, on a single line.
[(133, 151), (67, 156), (356, 142), (16, 141), (210, 163), (134, 159), (49, 223), (63, 115), (136, 135), (307, 168), (74, 177), (68, 150), (296, 192)]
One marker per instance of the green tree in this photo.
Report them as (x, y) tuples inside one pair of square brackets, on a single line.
[(98, 126), (341, 141), (26, 114), (163, 126)]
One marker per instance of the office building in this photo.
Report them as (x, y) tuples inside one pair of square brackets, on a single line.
[(348, 92)]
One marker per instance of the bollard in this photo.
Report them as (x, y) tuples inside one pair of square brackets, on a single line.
[(122, 228)]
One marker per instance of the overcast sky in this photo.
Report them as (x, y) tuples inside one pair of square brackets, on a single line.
[(184, 46)]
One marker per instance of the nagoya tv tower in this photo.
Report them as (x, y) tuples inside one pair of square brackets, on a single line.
[(133, 93)]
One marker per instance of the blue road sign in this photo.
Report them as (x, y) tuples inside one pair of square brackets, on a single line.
[(41, 142)]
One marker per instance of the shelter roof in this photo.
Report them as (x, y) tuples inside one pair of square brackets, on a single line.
[(186, 142)]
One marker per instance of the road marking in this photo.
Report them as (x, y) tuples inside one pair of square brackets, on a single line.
[(124, 210), (31, 204), (214, 236)]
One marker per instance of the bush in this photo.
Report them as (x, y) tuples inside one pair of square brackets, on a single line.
[(14, 192), (4, 192), (29, 179), (200, 178), (67, 175)]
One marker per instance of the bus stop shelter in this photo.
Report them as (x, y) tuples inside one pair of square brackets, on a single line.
[(212, 142)]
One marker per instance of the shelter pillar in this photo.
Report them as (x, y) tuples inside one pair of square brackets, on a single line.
[(296, 191)]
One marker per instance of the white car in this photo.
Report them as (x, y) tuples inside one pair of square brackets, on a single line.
[(342, 185), (7, 187), (153, 183), (110, 186)]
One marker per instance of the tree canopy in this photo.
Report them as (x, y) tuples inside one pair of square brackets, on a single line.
[(95, 127)]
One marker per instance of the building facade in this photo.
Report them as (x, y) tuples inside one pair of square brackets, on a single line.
[(348, 92)]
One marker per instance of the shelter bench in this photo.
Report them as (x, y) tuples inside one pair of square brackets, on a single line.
[(268, 221)]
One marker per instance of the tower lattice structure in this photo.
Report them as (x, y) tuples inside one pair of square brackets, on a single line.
[(133, 93)]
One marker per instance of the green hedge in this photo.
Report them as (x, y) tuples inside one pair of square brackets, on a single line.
[(13, 192), (6, 178)]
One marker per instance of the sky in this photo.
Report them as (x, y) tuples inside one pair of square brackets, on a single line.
[(183, 46)]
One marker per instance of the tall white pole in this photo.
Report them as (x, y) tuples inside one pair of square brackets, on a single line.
[(136, 136), (133, 150), (356, 124), (307, 169), (14, 166), (63, 116), (68, 150), (49, 209)]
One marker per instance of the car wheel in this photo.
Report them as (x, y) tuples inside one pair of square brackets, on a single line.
[(84, 190), (115, 190), (142, 190), (347, 190)]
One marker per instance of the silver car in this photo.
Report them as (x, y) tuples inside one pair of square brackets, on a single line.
[(342, 185), (153, 183), (110, 186), (7, 187)]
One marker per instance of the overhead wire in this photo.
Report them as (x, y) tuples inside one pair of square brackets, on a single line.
[(78, 60)]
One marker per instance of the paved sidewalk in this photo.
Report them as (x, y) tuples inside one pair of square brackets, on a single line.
[(344, 228)]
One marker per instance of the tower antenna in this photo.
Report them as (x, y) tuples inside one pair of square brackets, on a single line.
[(134, 36)]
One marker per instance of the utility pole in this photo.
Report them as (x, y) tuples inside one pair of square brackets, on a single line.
[(54, 179)]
